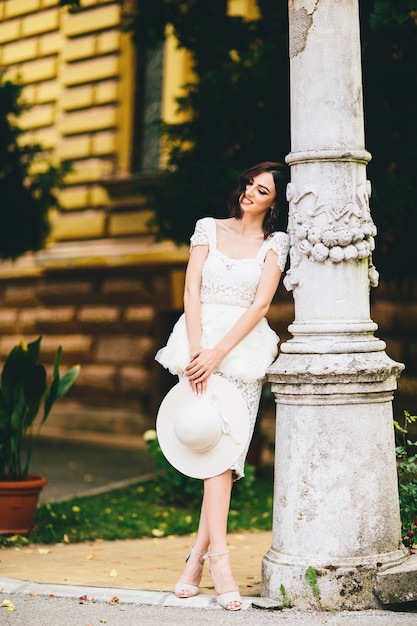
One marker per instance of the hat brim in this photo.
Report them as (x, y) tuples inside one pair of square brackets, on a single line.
[(226, 451)]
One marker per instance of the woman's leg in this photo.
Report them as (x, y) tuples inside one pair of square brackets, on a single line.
[(215, 510), (212, 532), (193, 569), (216, 504), (212, 528)]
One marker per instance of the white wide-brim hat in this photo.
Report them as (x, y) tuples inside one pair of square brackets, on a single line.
[(203, 436)]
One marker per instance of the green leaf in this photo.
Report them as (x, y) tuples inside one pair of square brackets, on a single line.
[(59, 385), (50, 397), (13, 374), (34, 390), (33, 349), (17, 415), (52, 391), (67, 380), (57, 362), (4, 410)]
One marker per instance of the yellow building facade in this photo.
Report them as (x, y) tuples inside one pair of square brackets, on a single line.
[(79, 73)]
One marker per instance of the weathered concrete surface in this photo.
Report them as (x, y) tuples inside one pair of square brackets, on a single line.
[(398, 585)]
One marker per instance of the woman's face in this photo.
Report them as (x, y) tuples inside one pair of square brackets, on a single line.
[(259, 194)]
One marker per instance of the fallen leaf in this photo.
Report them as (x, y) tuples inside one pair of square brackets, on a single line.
[(44, 550), (91, 557), (114, 600), (113, 573), (33, 594), (7, 604)]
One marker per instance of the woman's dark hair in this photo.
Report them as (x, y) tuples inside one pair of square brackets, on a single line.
[(277, 217)]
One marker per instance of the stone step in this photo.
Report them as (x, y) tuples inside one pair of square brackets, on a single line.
[(398, 584)]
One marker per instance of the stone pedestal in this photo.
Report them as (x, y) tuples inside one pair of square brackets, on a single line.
[(335, 498), (336, 511)]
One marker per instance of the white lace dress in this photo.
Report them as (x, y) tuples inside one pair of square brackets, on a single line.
[(228, 288)]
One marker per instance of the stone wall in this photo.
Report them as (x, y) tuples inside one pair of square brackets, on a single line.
[(109, 322)]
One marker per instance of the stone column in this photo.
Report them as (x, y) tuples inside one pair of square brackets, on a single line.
[(336, 512)]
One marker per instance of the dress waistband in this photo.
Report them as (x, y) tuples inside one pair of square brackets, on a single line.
[(224, 304)]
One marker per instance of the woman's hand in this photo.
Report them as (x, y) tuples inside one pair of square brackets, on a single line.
[(202, 363)]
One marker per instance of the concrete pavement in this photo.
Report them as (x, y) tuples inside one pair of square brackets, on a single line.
[(69, 605)]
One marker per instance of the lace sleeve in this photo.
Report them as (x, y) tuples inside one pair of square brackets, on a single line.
[(279, 242), (200, 236)]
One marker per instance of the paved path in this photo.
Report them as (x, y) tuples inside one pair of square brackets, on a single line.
[(135, 564)]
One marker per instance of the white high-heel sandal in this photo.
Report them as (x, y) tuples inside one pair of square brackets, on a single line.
[(186, 590), (225, 599)]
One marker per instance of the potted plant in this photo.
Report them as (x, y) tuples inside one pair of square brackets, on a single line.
[(24, 394)]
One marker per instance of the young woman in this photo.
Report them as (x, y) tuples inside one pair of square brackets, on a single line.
[(233, 272)]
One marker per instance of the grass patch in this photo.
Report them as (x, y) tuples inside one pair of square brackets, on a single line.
[(141, 510)]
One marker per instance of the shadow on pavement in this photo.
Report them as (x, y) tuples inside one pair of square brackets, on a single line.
[(74, 468)]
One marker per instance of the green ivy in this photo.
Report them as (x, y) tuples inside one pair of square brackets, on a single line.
[(388, 11), (25, 197), (407, 478)]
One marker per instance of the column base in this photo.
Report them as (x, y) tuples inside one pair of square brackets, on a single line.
[(347, 584)]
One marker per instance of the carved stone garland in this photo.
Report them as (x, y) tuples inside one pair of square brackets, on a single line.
[(327, 233)]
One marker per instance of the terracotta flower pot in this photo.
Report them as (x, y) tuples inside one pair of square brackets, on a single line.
[(18, 504)]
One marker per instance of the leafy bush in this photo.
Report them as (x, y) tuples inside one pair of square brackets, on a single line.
[(407, 479), (27, 181), (175, 488)]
